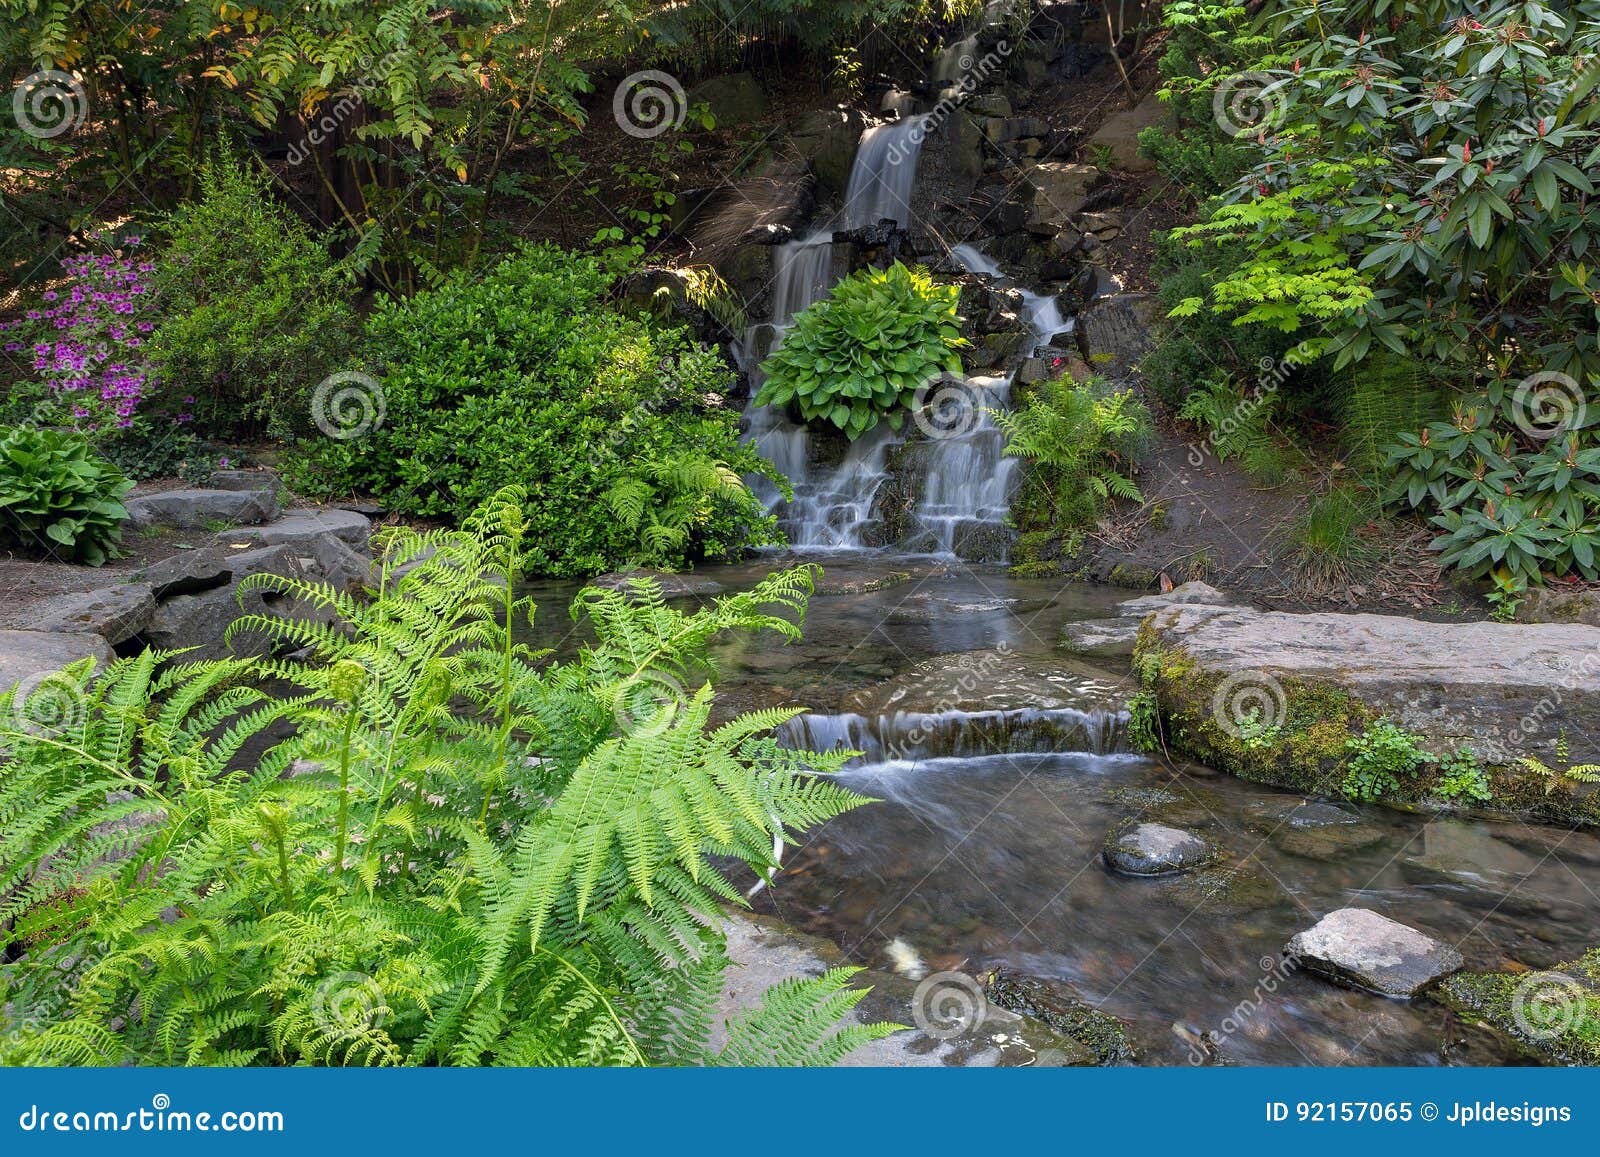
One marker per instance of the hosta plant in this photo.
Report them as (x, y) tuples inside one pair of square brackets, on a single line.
[(863, 352), (418, 843), (58, 498)]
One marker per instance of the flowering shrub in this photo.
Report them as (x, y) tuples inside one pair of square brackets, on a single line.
[(86, 342)]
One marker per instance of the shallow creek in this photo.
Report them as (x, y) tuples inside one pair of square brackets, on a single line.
[(1001, 765)]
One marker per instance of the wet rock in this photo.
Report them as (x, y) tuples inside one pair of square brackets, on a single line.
[(1219, 891), (305, 526), (1507, 690), (1056, 1005), (1001, 129), (955, 1024), (1100, 638), (988, 104), (1551, 1015), (116, 613), (1464, 856), (1358, 948), (839, 581), (26, 656), (993, 680), (1313, 830), (201, 509), (827, 139), (1139, 849)]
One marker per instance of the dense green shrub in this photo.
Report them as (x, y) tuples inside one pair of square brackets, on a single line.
[(867, 349), (57, 497), (255, 311), (480, 857), (525, 375), (1081, 440)]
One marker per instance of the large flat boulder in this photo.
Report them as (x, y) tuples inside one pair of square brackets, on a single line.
[(116, 613), (1358, 948), (202, 509), (26, 656), (1119, 133), (1504, 690), (304, 527), (1057, 191)]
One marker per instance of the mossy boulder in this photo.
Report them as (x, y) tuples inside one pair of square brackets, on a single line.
[(1552, 1016)]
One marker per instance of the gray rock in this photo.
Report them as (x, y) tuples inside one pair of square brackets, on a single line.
[(988, 104), (1553, 605), (827, 139), (185, 573), (340, 564), (1058, 191), (116, 613), (1119, 133), (673, 586), (201, 509), (1506, 689), (246, 480), (1137, 849), (28, 655), (1190, 593), (1358, 948), (304, 527), (1116, 330), (198, 624)]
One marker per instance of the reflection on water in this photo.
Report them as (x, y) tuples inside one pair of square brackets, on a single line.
[(985, 848)]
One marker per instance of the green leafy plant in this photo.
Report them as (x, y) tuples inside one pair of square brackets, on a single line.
[(462, 853), (1256, 732), (1378, 757), (58, 497), (1081, 440), (527, 373), (1460, 778), (255, 311), (1238, 425), (863, 352), (1558, 777), (1331, 538)]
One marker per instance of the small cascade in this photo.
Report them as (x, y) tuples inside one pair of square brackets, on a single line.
[(966, 487), (911, 736)]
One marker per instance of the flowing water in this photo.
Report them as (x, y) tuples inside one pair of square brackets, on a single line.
[(1001, 765)]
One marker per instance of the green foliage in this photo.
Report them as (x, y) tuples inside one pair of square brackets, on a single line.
[(1144, 708), (526, 374), (1514, 494), (1378, 757), (1389, 396), (255, 311), (58, 497), (461, 854), (1578, 773), (864, 351), (1460, 778), (1238, 425), (1331, 539), (1081, 440), (1257, 732)]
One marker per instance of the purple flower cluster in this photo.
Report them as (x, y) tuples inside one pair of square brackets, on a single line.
[(87, 337)]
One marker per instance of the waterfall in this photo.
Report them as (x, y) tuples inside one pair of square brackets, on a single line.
[(961, 504)]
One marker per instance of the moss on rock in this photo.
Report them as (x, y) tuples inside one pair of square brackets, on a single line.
[(1553, 1016)]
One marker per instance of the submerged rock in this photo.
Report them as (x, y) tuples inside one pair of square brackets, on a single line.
[(1225, 891), (673, 586), (1313, 829), (1138, 849), (1056, 1005), (1359, 948)]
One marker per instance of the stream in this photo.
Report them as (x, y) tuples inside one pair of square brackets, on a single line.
[(1001, 765)]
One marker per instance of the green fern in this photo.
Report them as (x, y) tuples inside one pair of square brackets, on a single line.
[(419, 842)]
